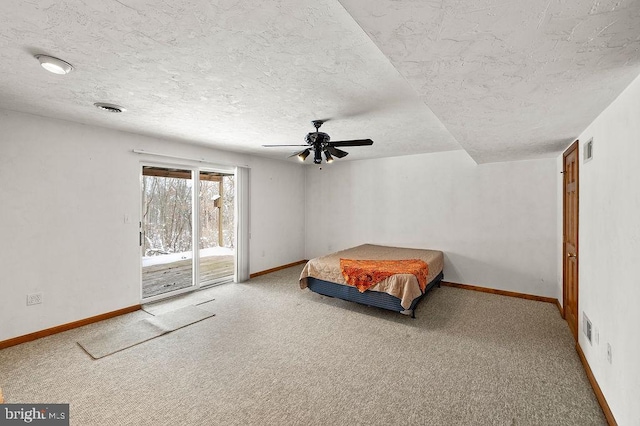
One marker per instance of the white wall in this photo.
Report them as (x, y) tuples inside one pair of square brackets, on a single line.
[(64, 191), (496, 223), (277, 214), (609, 252)]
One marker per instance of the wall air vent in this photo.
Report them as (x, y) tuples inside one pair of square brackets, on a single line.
[(586, 327), (109, 107), (588, 150)]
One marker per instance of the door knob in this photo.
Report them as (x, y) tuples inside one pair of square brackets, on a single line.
[(571, 254)]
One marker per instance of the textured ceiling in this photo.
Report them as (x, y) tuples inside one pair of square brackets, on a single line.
[(511, 80), (229, 74)]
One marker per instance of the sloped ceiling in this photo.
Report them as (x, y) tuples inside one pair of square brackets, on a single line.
[(505, 81), (510, 80)]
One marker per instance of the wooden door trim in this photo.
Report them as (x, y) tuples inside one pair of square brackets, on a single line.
[(572, 147)]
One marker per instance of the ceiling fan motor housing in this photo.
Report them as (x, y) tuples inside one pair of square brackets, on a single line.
[(317, 137), (317, 156)]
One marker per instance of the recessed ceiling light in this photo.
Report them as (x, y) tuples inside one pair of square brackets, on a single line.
[(109, 107), (54, 65)]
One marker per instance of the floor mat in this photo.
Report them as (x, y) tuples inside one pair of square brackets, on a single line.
[(149, 328)]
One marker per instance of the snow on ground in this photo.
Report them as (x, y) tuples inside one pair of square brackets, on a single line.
[(174, 257)]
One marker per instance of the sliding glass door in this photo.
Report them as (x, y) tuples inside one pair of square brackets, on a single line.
[(166, 234), (170, 228), (217, 228)]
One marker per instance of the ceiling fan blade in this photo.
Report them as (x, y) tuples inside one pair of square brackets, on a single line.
[(338, 153), (355, 142), (272, 146), (297, 153)]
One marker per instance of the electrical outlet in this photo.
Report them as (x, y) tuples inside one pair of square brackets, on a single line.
[(609, 352), (34, 299)]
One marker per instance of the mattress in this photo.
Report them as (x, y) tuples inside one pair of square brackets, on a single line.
[(403, 286)]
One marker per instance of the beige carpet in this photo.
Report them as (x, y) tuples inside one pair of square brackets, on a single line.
[(126, 336), (278, 355)]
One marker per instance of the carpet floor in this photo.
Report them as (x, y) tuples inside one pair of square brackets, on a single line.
[(278, 355)]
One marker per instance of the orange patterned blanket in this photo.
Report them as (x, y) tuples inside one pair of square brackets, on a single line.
[(367, 273)]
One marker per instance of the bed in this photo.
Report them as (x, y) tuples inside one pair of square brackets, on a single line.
[(400, 292)]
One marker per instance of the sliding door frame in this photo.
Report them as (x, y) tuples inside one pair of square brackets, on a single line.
[(195, 218)]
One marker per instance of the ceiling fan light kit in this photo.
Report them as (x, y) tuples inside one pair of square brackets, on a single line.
[(304, 154), (320, 142)]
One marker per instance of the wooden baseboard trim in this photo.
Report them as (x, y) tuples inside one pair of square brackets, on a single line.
[(560, 308), (64, 327), (279, 268), (596, 388), (500, 292)]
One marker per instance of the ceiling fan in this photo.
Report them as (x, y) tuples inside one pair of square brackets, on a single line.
[(320, 142)]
